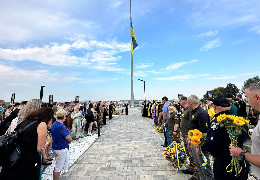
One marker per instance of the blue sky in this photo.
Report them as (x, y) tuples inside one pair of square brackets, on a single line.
[(83, 47)]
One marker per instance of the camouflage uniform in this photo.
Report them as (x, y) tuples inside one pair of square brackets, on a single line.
[(184, 130)]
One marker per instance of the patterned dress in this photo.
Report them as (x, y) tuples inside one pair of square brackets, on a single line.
[(76, 130)]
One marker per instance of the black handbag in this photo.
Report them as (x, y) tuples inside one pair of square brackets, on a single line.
[(10, 151)]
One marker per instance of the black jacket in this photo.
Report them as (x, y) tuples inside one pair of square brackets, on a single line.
[(217, 144), (7, 121)]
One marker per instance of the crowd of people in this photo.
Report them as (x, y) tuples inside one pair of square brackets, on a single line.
[(189, 113), (55, 126), (48, 126)]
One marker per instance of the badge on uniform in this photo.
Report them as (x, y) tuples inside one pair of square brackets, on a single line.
[(192, 117)]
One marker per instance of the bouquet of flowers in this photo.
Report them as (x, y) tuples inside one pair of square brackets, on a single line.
[(159, 129), (198, 138), (175, 153), (234, 126)]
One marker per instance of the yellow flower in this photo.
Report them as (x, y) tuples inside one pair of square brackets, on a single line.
[(195, 141), (221, 117), (242, 119), (190, 133), (197, 133), (238, 122), (246, 121)]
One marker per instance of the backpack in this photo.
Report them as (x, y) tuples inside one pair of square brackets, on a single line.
[(10, 151)]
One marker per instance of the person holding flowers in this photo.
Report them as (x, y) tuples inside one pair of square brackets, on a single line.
[(199, 119), (165, 114), (191, 169), (252, 93), (218, 141)]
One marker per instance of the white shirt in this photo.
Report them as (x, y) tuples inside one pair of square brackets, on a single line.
[(255, 149)]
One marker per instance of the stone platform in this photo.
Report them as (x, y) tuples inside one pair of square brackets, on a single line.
[(129, 148)]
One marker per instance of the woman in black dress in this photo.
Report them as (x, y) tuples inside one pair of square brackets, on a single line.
[(31, 141), (90, 118)]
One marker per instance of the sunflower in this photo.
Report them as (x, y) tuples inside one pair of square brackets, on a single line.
[(197, 133), (238, 122), (221, 117), (195, 141), (246, 121), (242, 119), (191, 133)]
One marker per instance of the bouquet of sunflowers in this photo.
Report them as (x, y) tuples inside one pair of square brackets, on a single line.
[(175, 153), (159, 129), (198, 138), (234, 126)]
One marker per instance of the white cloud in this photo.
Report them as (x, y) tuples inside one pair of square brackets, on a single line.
[(93, 81), (239, 41), (178, 77), (217, 13), (181, 77), (209, 33), (222, 77), (17, 77), (153, 72), (178, 65), (247, 74), (94, 54), (140, 74), (256, 29), (211, 45), (143, 65)]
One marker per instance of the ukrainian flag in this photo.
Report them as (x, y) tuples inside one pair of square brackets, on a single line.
[(134, 42)]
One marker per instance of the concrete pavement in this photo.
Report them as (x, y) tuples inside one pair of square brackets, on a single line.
[(128, 149)]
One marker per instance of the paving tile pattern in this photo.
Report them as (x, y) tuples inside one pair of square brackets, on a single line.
[(129, 149)]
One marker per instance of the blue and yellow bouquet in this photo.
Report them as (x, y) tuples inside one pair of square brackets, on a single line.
[(175, 153)]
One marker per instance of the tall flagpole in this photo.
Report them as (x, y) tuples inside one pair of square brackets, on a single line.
[(132, 83)]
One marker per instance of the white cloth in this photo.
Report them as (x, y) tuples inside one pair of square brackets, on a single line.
[(62, 160), (255, 149), (12, 126)]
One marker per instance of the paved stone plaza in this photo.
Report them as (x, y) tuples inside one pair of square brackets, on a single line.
[(129, 148)]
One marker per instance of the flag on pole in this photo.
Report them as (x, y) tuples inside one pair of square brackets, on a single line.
[(133, 40)]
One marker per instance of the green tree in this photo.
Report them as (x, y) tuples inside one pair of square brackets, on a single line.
[(255, 79), (217, 92), (230, 91)]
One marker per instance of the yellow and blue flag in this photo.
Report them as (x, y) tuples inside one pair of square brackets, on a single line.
[(133, 38)]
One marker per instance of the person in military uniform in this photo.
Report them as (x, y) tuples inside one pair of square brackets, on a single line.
[(217, 143), (192, 168), (173, 123)]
